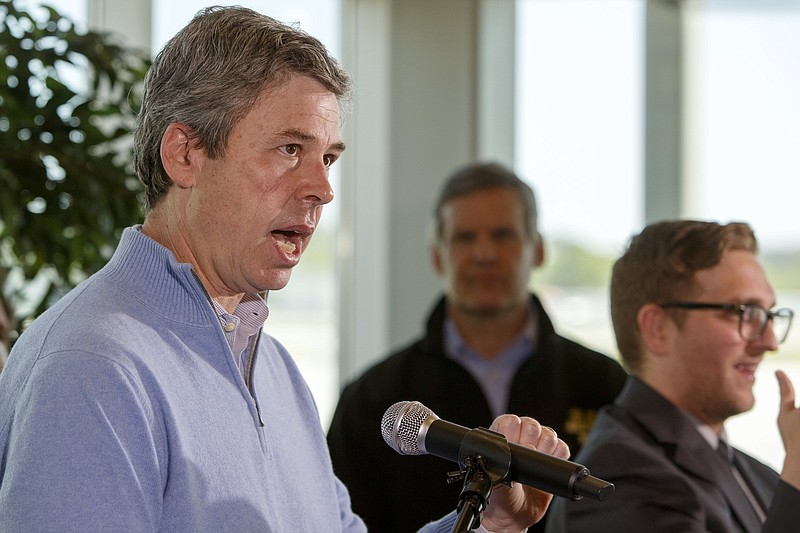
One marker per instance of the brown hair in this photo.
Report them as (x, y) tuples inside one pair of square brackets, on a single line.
[(659, 265), (209, 76)]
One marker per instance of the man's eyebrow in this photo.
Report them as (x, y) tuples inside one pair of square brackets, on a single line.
[(304, 136)]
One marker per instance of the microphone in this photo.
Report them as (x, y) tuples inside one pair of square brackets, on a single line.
[(410, 428)]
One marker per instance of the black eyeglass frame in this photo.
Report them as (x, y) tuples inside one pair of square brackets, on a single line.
[(783, 313)]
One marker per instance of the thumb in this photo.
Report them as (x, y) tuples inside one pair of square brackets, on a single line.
[(787, 391)]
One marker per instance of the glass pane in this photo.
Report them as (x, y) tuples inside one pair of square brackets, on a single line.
[(74, 10), (579, 143), (742, 134)]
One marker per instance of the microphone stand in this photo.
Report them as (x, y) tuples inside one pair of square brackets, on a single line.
[(474, 495), (485, 459)]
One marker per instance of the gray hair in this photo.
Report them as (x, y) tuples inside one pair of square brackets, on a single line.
[(476, 177), (209, 76)]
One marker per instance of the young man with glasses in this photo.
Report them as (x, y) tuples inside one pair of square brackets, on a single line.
[(692, 313)]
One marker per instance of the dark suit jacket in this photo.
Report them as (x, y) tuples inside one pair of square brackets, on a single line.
[(562, 384), (667, 478)]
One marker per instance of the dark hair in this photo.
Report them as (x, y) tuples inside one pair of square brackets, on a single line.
[(476, 177), (659, 265), (209, 75)]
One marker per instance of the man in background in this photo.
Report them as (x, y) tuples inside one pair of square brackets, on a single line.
[(693, 316), (489, 348)]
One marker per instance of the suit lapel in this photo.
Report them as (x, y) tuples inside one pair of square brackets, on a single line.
[(716, 470), (762, 489), (675, 433)]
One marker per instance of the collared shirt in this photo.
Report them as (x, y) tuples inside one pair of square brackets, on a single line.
[(715, 441), (493, 375), (241, 328)]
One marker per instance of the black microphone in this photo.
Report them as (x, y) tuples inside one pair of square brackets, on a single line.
[(410, 428)]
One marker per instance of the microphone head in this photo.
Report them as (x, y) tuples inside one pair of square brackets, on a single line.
[(402, 425)]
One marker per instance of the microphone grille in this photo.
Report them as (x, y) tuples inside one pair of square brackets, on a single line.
[(401, 426)]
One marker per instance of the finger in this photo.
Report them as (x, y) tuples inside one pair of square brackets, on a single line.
[(530, 432), (787, 402), (548, 440), (521, 430), (562, 450), (551, 444), (504, 423)]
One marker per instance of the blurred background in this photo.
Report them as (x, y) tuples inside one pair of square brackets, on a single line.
[(618, 112)]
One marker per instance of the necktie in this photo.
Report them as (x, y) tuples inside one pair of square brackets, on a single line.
[(726, 452)]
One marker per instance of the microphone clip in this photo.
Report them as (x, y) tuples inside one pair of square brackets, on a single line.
[(485, 459)]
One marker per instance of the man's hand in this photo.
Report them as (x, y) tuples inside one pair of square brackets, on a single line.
[(512, 509), (789, 426)]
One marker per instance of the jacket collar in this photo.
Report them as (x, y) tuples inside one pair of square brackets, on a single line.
[(434, 338), (675, 433)]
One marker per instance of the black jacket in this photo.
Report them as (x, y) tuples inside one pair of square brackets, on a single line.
[(562, 385)]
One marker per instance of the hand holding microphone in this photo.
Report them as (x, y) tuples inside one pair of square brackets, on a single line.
[(515, 507), (410, 428)]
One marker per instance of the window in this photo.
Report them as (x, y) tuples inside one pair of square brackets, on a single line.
[(742, 125), (75, 10), (580, 142)]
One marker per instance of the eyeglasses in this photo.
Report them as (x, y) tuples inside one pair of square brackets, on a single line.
[(752, 318)]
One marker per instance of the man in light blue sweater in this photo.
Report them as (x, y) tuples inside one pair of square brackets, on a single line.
[(149, 399)]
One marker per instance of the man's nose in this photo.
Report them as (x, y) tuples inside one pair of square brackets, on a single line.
[(484, 249), (316, 183), (767, 339)]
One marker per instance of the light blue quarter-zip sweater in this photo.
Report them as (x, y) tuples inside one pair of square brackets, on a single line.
[(121, 409)]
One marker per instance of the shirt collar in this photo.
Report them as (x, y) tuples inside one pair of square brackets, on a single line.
[(708, 434), (457, 348)]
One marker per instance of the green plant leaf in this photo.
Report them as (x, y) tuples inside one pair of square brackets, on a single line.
[(67, 100)]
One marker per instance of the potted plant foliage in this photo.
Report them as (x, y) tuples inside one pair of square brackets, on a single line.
[(68, 101)]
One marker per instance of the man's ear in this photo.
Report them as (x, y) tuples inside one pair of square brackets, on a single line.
[(654, 323), (538, 250), (181, 157), (436, 258)]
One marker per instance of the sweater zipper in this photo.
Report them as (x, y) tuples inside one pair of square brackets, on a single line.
[(250, 365), (248, 375)]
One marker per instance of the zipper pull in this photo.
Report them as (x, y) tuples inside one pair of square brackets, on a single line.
[(258, 410)]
